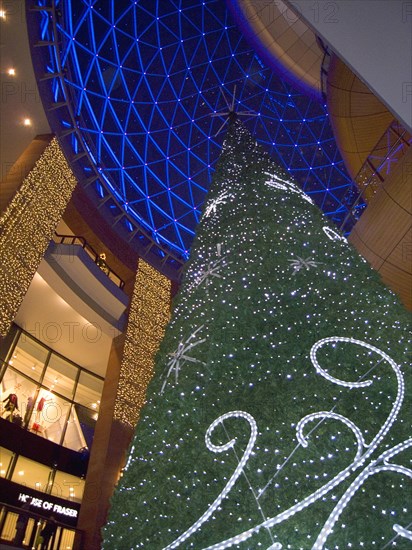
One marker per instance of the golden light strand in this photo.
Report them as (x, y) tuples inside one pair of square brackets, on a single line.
[(149, 314), (27, 226)]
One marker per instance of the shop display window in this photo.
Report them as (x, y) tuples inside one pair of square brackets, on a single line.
[(5, 458), (68, 487), (32, 474), (45, 393), (49, 416)]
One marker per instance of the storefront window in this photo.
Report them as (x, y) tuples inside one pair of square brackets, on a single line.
[(5, 458), (32, 474), (60, 376), (50, 396), (68, 487)]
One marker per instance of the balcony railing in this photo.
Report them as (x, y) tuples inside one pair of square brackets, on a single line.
[(391, 147), (98, 260)]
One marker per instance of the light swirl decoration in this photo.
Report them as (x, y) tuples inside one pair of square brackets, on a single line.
[(333, 416), (239, 469), (373, 469), (332, 234), (406, 533), (359, 460), (276, 182)]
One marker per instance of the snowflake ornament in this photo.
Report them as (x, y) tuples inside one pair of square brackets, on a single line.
[(212, 206), (213, 269), (302, 263), (180, 356)]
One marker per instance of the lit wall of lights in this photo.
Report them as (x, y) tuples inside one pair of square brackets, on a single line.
[(27, 226), (148, 316)]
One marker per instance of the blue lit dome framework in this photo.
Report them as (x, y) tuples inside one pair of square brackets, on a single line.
[(129, 88)]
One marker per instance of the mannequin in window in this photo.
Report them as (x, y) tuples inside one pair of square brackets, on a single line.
[(37, 425), (11, 405), (29, 410)]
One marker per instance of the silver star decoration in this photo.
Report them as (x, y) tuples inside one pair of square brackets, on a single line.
[(231, 110), (179, 357), (213, 204), (302, 263)]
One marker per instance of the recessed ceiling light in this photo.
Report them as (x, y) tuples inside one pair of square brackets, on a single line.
[(27, 122), (11, 71)]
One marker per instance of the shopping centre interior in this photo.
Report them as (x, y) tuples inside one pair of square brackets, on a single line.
[(113, 115)]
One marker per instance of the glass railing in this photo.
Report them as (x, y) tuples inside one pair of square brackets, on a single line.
[(391, 147), (99, 259)]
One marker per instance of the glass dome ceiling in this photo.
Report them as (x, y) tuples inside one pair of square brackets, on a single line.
[(130, 88)]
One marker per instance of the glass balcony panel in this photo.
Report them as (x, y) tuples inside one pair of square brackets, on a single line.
[(74, 438)]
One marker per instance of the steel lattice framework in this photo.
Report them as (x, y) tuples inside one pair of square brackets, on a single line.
[(130, 88)]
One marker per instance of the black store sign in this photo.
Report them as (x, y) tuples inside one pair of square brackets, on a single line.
[(63, 511)]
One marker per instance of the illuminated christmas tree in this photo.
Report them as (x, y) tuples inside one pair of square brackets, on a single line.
[(278, 414)]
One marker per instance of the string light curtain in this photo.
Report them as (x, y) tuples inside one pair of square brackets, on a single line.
[(27, 226), (148, 316), (279, 414)]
